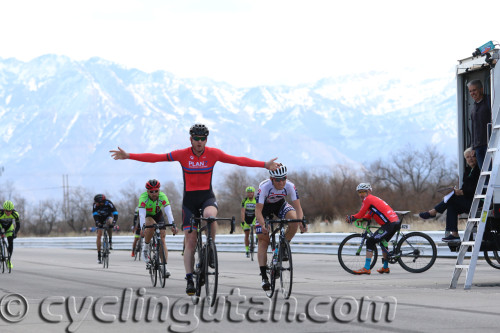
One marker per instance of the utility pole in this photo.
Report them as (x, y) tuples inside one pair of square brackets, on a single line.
[(65, 197)]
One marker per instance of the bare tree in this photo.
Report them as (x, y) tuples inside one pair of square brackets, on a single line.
[(80, 214), (44, 216), (413, 175)]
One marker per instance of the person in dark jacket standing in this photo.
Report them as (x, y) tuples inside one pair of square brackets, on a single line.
[(461, 200), (480, 117)]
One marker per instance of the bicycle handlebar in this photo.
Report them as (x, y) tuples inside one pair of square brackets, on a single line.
[(357, 223), (303, 221), (160, 225), (211, 220)]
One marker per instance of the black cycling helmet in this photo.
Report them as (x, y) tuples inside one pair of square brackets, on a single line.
[(99, 198), (198, 129), (153, 184)]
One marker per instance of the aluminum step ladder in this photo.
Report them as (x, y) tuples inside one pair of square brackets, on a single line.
[(478, 215)]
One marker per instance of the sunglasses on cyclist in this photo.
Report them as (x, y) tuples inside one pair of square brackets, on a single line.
[(154, 191), (362, 191), (279, 179), (199, 138)]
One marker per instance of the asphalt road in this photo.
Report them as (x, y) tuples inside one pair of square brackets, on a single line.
[(54, 290)]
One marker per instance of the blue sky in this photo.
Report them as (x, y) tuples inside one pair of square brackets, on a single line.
[(251, 42)]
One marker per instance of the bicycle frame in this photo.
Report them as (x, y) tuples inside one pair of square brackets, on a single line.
[(391, 255)]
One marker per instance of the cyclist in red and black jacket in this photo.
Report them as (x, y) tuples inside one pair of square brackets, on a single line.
[(375, 208), (197, 164)]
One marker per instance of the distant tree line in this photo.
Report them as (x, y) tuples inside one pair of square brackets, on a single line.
[(407, 180)]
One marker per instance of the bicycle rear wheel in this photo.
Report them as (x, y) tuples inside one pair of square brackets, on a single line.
[(162, 266), (492, 258), (211, 272), (352, 253), (286, 269), (416, 252)]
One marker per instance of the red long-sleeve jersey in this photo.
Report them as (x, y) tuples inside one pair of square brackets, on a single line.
[(197, 170), (375, 208)]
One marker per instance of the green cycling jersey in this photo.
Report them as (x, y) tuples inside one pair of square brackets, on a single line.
[(153, 207)]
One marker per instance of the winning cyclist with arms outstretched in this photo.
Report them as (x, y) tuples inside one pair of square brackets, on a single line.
[(197, 164)]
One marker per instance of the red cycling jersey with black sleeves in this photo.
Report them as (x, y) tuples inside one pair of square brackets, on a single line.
[(375, 208), (197, 170)]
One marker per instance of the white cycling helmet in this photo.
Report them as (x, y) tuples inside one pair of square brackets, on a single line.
[(363, 187), (278, 173)]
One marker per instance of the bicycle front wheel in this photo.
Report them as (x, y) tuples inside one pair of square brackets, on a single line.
[(416, 252), (3, 255), (105, 251), (492, 258), (198, 272), (153, 269), (286, 269), (211, 272), (272, 273), (352, 253), (161, 260)]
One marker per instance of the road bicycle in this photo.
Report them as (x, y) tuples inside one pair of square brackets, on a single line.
[(105, 246), (416, 252), (4, 252), (157, 265), (280, 262), (206, 267)]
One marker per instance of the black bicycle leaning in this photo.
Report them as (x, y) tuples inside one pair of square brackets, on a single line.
[(4, 252), (280, 262), (105, 246), (416, 252), (157, 264), (206, 267)]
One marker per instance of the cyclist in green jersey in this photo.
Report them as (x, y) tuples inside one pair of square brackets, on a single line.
[(153, 206), (248, 215), (9, 221)]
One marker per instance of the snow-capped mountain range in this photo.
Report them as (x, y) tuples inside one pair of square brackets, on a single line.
[(60, 116)]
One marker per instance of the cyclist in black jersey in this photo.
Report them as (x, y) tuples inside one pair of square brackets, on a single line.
[(137, 231), (104, 213), (248, 215)]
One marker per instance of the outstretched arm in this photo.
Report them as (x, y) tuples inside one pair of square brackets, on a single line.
[(119, 154)]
